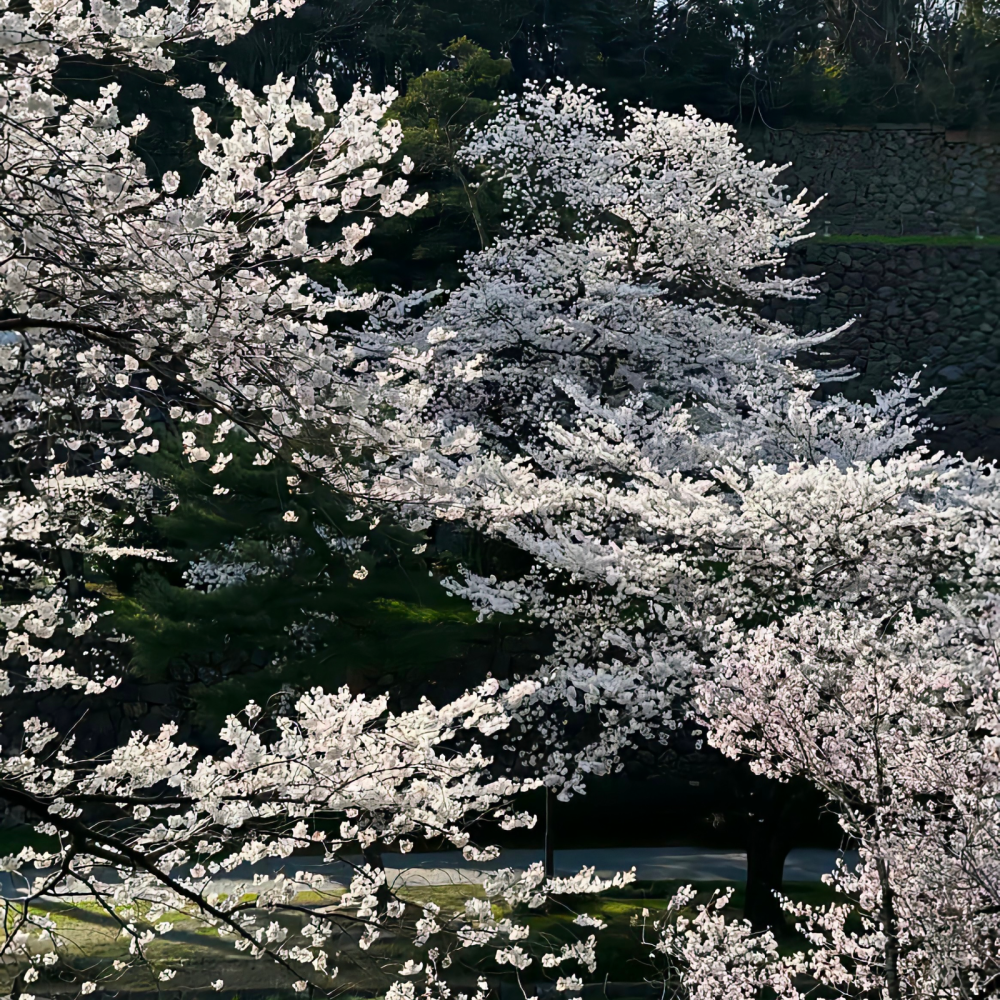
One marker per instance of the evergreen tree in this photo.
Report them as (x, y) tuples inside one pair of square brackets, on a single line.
[(439, 111), (283, 584)]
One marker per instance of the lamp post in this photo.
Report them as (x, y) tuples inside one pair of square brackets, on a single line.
[(549, 848)]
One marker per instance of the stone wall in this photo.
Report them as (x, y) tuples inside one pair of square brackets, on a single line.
[(935, 309), (925, 306), (890, 180)]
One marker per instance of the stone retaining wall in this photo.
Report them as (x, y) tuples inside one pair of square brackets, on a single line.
[(916, 307), (890, 180), (935, 309)]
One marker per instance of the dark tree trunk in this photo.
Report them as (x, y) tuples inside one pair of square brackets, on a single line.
[(891, 931), (767, 849), (775, 815), (373, 858)]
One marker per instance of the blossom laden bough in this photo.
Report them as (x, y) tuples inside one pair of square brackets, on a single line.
[(128, 305), (174, 819)]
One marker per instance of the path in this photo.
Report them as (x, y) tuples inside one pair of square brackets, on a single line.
[(651, 863), (450, 868)]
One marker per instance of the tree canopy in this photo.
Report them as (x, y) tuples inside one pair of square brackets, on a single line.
[(227, 465)]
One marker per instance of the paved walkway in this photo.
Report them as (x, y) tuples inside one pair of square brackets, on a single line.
[(450, 868), (651, 863)]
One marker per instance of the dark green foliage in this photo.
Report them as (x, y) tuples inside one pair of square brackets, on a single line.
[(439, 110), (301, 617), (776, 60), (391, 42)]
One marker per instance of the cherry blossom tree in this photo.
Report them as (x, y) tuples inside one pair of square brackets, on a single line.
[(582, 392), (603, 394), (895, 717), (154, 822), (126, 302)]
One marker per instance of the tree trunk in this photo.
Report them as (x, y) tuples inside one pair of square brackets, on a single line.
[(373, 857), (890, 930), (772, 823), (767, 849)]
